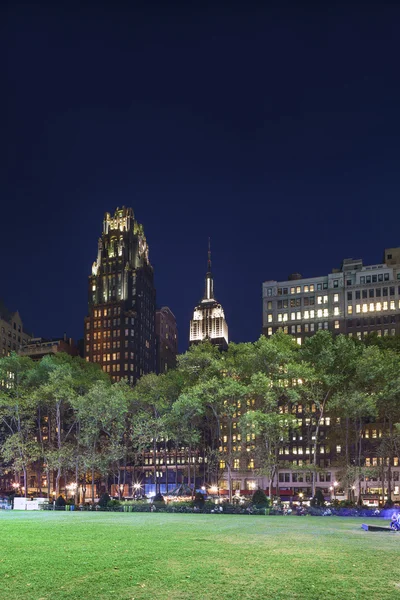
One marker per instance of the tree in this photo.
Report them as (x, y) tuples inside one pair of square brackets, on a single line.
[(332, 362), (17, 413), (101, 413)]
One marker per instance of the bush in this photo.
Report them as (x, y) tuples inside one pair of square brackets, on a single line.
[(113, 504), (60, 501), (260, 500)]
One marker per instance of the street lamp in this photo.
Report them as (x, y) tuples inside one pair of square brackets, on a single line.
[(72, 487), (335, 485), (137, 487)]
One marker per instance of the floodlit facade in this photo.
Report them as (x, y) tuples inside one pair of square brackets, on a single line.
[(208, 321), (355, 300), (120, 328)]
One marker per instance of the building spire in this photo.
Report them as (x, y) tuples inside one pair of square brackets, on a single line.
[(209, 289)]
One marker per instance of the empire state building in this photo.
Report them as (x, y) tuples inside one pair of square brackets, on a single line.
[(208, 321)]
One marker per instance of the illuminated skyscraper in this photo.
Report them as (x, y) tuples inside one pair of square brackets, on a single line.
[(208, 321), (120, 328)]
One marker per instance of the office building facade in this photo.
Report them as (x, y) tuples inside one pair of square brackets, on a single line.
[(355, 300), (120, 327), (12, 334)]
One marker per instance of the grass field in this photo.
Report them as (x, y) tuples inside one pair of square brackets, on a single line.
[(56, 556)]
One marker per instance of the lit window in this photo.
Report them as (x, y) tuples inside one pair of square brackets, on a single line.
[(378, 306), (358, 308), (336, 297), (270, 318), (306, 289), (392, 305), (319, 313), (312, 287), (269, 330), (306, 314), (312, 314), (285, 316), (292, 316), (299, 341), (279, 317), (385, 306), (326, 312), (350, 310), (371, 307), (365, 308), (325, 299), (319, 299), (298, 289), (336, 324), (336, 311), (298, 315), (292, 290)]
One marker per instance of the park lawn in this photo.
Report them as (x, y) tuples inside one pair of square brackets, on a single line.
[(71, 556)]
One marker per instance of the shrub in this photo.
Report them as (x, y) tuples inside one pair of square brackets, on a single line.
[(60, 501), (113, 504), (260, 499), (104, 500)]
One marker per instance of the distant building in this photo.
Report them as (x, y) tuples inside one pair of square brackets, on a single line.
[(120, 328), (37, 348), (12, 334), (208, 321), (355, 300), (167, 339)]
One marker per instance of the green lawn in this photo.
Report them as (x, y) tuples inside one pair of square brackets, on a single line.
[(54, 556)]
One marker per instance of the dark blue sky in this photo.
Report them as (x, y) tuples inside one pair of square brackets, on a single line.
[(274, 131)]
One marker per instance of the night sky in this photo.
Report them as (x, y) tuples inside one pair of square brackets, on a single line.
[(276, 132)]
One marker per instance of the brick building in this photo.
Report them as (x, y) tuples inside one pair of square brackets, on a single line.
[(120, 328), (167, 339)]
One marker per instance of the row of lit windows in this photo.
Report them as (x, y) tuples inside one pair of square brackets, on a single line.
[(307, 449), (307, 314), (373, 307), (374, 462), (298, 289), (107, 312)]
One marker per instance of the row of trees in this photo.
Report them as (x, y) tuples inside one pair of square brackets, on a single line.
[(63, 417)]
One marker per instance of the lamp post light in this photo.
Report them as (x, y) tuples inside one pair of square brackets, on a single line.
[(137, 487), (72, 488), (331, 488), (335, 485), (301, 496)]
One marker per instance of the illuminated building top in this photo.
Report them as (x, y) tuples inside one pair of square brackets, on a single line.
[(208, 321), (120, 327)]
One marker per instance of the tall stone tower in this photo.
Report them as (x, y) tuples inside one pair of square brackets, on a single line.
[(120, 327), (208, 321)]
